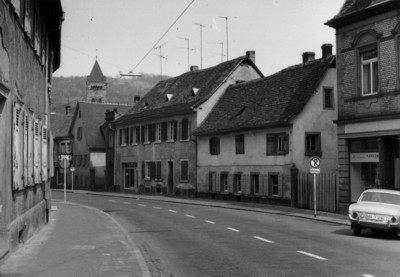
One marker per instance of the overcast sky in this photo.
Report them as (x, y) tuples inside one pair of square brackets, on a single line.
[(124, 31)]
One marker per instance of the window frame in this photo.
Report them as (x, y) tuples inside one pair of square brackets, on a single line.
[(331, 97), (255, 174), (224, 181), (214, 145), (239, 144), (318, 146), (185, 129), (272, 185), (237, 182), (280, 140), (182, 179)]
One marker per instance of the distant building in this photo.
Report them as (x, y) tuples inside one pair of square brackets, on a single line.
[(89, 147), (368, 68), (155, 151), (261, 130), (96, 85), (30, 40)]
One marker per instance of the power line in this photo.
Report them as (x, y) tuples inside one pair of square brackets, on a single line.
[(163, 35)]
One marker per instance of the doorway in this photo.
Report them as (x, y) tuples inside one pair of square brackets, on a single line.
[(170, 177)]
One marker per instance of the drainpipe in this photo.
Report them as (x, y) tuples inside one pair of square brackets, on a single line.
[(195, 143)]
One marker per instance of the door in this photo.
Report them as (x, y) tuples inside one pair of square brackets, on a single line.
[(170, 177)]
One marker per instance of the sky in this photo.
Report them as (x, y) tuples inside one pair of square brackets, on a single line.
[(123, 34)]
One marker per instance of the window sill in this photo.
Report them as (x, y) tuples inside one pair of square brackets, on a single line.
[(170, 141), (184, 181), (313, 153)]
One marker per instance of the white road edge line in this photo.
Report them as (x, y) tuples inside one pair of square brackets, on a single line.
[(263, 239), (172, 211), (312, 255), (127, 203), (142, 205), (191, 216), (208, 221), (112, 200), (232, 229), (158, 208)]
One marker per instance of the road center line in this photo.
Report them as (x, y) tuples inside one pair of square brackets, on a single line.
[(142, 205), (172, 211), (312, 255), (208, 221), (112, 200), (158, 208), (368, 275), (263, 239), (191, 216), (232, 229)]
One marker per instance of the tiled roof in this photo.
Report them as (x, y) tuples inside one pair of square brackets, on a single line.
[(184, 91), (60, 125), (270, 101), (96, 75), (92, 117)]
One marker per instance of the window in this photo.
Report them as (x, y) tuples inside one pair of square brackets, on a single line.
[(255, 183), (64, 147), (132, 136), (277, 144), (158, 170), (123, 136), (328, 98), (369, 72), (214, 146), (239, 139), (184, 170), (172, 130), (137, 135), (152, 132), (129, 174), (273, 184), (164, 131), (158, 132), (237, 182), (145, 137), (147, 170), (313, 144), (224, 182), (185, 129), (79, 135), (211, 181)]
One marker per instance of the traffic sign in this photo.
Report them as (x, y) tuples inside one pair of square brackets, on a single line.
[(314, 162), (315, 171), (65, 157), (72, 169)]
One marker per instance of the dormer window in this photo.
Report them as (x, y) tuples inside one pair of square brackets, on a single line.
[(169, 97), (195, 91), (145, 105)]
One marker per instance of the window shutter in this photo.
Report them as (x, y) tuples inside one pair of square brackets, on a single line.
[(120, 136), (286, 144), (143, 129), (264, 182), (280, 185), (143, 170), (44, 154), (189, 128), (210, 142), (137, 129), (175, 129), (158, 170), (230, 182), (31, 139), (221, 184), (269, 187), (180, 131), (17, 148), (26, 150), (164, 131), (152, 170)]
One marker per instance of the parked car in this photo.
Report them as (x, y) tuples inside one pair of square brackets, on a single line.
[(376, 209)]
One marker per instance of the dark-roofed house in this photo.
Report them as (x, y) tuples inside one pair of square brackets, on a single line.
[(155, 150), (89, 149), (368, 68), (260, 131)]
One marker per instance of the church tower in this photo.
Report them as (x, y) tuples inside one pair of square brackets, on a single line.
[(96, 85)]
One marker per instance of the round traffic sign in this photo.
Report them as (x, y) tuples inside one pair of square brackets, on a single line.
[(314, 162)]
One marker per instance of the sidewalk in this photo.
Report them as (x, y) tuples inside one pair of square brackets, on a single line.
[(263, 208), (78, 241)]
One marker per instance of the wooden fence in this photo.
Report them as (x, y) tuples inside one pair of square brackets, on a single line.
[(326, 191)]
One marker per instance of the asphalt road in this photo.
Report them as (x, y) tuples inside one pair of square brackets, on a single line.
[(185, 240)]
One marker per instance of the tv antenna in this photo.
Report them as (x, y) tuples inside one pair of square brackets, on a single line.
[(160, 55), (227, 40), (201, 43), (188, 49), (222, 49)]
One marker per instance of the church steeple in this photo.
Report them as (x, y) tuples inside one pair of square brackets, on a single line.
[(96, 84)]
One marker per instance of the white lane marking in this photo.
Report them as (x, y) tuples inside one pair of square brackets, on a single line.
[(172, 211), (208, 221), (312, 255), (142, 205), (368, 275), (127, 203), (112, 200), (191, 216), (263, 239), (232, 229), (158, 208)]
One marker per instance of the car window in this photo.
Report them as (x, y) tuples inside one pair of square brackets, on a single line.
[(381, 197)]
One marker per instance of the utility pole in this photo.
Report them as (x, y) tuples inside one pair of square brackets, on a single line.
[(227, 39), (188, 49), (161, 56), (201, 43)]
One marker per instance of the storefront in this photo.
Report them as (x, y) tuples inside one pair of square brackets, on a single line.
[(374, 163)]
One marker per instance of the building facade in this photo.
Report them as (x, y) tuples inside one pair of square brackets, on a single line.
[(96, 85), (155, 151), (30, 33), (368, 66), (261, 130)]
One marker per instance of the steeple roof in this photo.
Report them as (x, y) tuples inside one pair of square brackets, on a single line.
[(96, 75)]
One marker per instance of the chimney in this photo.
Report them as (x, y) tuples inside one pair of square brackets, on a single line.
[(308, 57), (251, 55), (326, 51), (67, 109), (136, 99), (194, 68), (110, 115)]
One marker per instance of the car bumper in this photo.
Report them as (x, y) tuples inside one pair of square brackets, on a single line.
[(383, 226)]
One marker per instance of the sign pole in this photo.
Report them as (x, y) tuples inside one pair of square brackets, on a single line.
[(315, 196), (65, 180), (72, 179)]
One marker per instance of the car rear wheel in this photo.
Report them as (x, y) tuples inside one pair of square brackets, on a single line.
[(357, 231)]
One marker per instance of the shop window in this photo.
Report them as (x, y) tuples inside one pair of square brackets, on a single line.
[(313, 144), (214, 146), (224, 182), (328, 98), (277, 144), (239, 143), (184, 170)]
